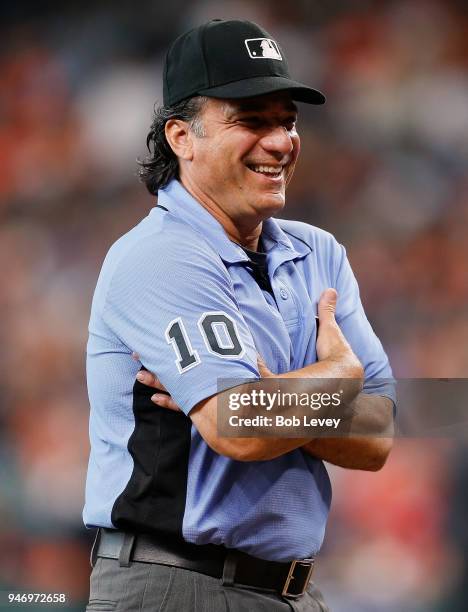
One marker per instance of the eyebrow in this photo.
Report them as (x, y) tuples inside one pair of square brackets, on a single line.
[(257, 105)]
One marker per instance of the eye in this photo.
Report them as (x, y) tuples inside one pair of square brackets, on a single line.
[(290, 123), (251, 121)]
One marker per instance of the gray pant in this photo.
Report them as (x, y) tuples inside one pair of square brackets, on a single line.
[(145, 587)]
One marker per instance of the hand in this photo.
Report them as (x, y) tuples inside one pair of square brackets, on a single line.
[(161, 399), (331, 345)]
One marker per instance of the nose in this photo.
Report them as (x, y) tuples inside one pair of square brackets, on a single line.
[(278, 141)]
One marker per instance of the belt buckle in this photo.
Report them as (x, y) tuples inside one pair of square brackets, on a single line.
[(307, 566)]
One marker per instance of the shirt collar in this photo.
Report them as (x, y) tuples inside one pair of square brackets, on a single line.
[(180, 203)]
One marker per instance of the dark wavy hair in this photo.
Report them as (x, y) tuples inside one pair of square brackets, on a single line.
[(162, 165)]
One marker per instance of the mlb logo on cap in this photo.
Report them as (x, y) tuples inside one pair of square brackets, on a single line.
[(263, 48)]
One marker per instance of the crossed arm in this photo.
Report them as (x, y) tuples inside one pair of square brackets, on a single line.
[(369, 413)]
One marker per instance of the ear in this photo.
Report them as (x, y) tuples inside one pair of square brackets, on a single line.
[(179, 137)]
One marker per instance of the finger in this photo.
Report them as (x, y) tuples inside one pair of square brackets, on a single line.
[(165, 401), (149, 379), (327, 306), (158, 384)]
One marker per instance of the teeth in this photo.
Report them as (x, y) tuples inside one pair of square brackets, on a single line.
[(267, 169)]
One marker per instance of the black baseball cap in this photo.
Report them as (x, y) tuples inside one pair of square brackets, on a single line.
[(229, 59)]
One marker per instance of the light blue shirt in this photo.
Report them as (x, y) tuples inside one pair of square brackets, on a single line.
[(177, 291)]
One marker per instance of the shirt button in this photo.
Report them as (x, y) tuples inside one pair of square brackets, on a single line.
[(284, 294)]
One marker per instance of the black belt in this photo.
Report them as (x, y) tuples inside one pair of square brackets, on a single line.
[(236, 568)]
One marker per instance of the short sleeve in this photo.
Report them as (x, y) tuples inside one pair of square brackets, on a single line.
[(172, 302), (358, 331)]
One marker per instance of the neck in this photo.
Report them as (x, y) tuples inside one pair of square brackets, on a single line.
[(245, 232)]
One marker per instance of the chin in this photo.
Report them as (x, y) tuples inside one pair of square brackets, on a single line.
[(271, 205)]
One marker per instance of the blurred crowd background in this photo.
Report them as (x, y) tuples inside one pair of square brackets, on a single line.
[(383, 167)]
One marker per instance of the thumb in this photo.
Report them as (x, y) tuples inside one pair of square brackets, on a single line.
[(327, 306)]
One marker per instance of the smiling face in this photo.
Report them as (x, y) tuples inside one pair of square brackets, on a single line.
[(240, 168)]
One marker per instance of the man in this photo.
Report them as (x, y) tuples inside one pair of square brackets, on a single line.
[(210, 287)]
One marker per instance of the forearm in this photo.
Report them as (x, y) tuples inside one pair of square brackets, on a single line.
[(370, 439), (264, 447), (322, 377)]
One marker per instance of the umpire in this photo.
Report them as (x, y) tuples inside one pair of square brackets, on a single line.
[(208, 281)]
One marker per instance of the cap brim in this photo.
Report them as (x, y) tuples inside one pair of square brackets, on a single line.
[(258, 86)]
